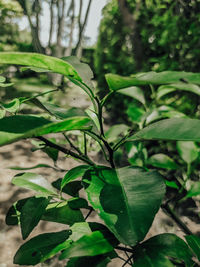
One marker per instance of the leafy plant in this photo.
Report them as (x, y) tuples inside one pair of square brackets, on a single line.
[(126, 198)]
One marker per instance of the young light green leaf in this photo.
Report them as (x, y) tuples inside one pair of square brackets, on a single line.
[(79, 229), (170, 129), (188, 151), (14, 128), (194, 242), (139, 195), (162, 161), (117, 82), (73, 174), (39, 61), (34, 182), (62, 213), (2, 79), (88, 245), (83, 69), (32, 252), (134, 92), (31, 168), (31, 214), (158, 250), (34, 69)]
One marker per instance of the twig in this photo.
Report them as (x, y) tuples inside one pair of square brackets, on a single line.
[(66, 151), (89, 213), (124, 249), (127, 262)]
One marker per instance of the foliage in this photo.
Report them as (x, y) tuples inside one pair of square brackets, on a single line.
[(126, 198)]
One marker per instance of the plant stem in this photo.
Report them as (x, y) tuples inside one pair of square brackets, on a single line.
[(72, 145), (125, 249), (127, 262), (66, 151), (178, 221), (89, 213)]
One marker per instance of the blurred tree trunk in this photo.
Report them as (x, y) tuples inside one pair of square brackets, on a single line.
[(130, 22), (78, 47), (63, 19)]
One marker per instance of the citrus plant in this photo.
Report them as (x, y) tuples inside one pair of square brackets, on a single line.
[(126, 199)]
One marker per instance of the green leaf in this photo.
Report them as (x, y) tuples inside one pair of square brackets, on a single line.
[(61, 212), (34, 69), (31, 214), (117, 82), (12, 106), (83, 69), (77, 231), (163, 112), (162, 161), (2, 113), (171, 184), (194, 190), (6, 84), (170, 129), (2, 79), (12, 216), (88, 245), (115, 131), (30, 168), (188, 151), (139, 195), (51, 152), (71, 188), (194, 242), (158, 250), (32, 251), (136, 114), (73, 174), (18, 127), (134, 92), (95, 261), (165, 89), (78, 203), (34, 182), (39, 61)]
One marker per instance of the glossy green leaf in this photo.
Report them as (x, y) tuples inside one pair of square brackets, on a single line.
[(83, 69), (88, 245), (71, 188), (115, 131), (162, 161), (73, 174), (60, 212), (32, 251), (117, 82), (31, 214), (158, 250), (139, 195), (18, 127), (134, 92), (194, 242), (51, 152), (188, 151), (165, 89), (39, 61), (34, 182), (170, 129)]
